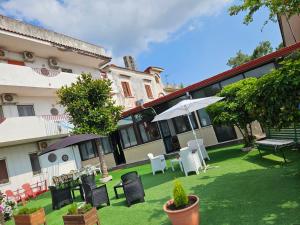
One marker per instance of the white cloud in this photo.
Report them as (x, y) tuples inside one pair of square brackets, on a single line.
[(121, 26)]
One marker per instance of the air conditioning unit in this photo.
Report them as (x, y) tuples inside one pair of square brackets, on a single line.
[(3, 54), (53, 63), (42, 145), (28, 56), (9, 98), (139, 102)]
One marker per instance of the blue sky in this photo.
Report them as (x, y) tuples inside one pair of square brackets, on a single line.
[(191, 39), (204, 52)]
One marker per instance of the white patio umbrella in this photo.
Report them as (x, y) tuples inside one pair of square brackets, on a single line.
[(186, 107)]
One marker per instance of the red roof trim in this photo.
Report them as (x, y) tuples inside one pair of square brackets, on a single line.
[(227, 74)]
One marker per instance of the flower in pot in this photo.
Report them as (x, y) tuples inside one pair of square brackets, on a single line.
[(30, 216), (182, 209), (82, 214), (7, 206)]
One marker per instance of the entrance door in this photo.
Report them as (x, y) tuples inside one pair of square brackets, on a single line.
[(225, 133), (117, 148), (170, 139)]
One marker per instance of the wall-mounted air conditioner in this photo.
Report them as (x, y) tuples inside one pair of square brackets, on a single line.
[(42, 145), (139, 102), (8, 98), (3, 54), (53, 63), (28, 56)]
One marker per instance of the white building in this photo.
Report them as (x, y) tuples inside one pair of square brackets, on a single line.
[(34, 64)]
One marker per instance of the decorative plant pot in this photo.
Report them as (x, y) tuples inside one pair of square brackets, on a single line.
[(186, 216), (36, 218), (89, 218)]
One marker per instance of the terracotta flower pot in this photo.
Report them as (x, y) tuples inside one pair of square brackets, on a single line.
[(89, 218), (36, 218), (186, 216)]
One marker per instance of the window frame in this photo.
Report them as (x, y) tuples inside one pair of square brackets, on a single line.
[(7, 172), (96, 154), (26, 105), (37, 171), (126, 89), (187, 123), (149, 91)]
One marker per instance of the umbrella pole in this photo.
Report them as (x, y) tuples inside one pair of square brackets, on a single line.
[(196, 139)]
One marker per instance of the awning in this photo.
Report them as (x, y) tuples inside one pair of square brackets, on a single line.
[(68, 141)]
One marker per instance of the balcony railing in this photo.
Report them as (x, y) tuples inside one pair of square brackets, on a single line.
[(15, 129)]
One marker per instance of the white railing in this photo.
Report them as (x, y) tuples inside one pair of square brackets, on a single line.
[(23, 76), (15, 129)]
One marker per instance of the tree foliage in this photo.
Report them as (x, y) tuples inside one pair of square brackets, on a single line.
[(90, 105), (276, 7), (275, 99), (262, 49), (232, 109)]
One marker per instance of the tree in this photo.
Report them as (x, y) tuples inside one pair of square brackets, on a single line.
[(92, 109), (232, 109), (262, 49), (276, 7), (275, 98)]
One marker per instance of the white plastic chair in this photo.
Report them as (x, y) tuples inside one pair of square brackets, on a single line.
[(192, 144), (190, 160), (158, 163)]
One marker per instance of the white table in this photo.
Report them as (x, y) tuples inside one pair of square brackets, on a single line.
[(276, 144)]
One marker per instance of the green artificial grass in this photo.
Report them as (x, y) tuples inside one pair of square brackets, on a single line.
[(240, 188)]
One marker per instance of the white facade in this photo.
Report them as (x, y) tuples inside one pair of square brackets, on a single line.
[(137, 81)]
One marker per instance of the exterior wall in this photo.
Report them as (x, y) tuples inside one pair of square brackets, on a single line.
[(289, 28), (139, 153), (59, 167), (137, 81), (19, 166), (109, 159)]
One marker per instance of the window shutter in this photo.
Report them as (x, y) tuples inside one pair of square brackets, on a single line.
[(149, 91), (126, 89), (3, 172), (15, 62)]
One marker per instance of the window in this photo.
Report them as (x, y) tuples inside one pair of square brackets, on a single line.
[(149, 131), (207, 91), (3, 172), (26, 110), (157, 79), (1, 112), (182, 123), (204, 118), (105, 145), (88, 150), (35, 163), (126, 89), (65, 70), (148, 91), (127, 133), (15, 62), (232, 80), (262, 70)]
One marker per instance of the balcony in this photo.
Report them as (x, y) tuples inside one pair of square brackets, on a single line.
[(29, 81), (17, 130)]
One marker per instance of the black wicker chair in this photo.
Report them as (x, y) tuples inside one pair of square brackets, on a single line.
[(60, 197), (94, 195), (133, 188)]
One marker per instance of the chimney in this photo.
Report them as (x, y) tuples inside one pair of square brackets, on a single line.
[(129, 62)]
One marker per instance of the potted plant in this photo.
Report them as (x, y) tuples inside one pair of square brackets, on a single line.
[(30, 216), (83, 214), (183, 209)]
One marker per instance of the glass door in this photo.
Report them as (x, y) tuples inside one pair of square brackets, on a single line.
[(170, 139)]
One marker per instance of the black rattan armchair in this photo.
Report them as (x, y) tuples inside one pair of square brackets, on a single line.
[(133, 188), (94, 195), (60, 196)]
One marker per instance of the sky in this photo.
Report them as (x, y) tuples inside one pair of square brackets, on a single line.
[(191, 39)]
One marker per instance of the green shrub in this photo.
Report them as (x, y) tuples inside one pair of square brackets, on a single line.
[(180, 197), (76, 209), (27, 211)]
